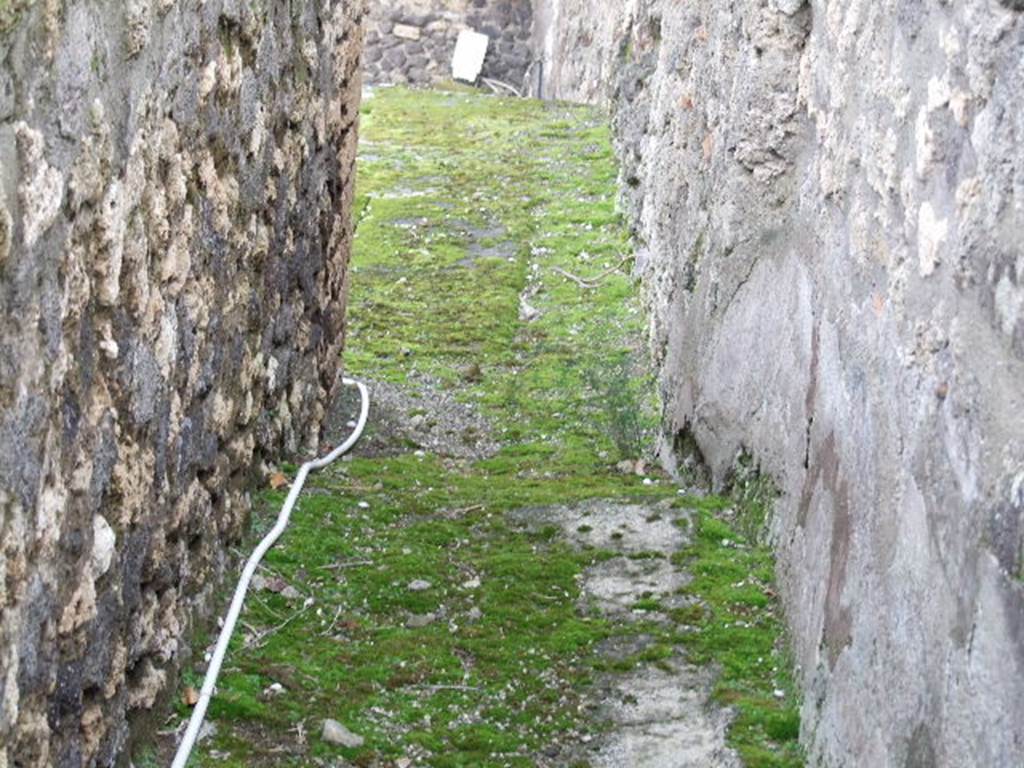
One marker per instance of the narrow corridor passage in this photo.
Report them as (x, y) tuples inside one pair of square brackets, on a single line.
[(501, 576)]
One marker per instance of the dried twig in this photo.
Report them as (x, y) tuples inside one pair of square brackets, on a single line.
[(333, 623), (267, 608), (467, 510), (346, 564), (591, 282), (472, 688), (262, 639), (550, 598), (300, 732), (497, 86)]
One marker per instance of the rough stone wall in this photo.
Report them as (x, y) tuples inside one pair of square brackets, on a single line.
[(831, 195), (175, 185), (412, 41)]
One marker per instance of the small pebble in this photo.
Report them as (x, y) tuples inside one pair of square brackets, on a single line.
[(336, 733), (110, 349), (419, 585)]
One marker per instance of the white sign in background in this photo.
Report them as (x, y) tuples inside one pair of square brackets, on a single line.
[(468, 60)]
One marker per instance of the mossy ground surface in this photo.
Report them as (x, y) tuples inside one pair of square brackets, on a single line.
[(467, 205)]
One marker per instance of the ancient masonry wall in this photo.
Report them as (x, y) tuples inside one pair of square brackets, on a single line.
[(412, 41), (175, 186), (831, 198)]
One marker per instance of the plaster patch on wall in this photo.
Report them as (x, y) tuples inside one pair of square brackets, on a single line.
[(42, 188), (1009, 304), (931, 236), (6, 233)]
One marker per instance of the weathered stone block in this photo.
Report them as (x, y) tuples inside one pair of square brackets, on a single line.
[(406, 32)]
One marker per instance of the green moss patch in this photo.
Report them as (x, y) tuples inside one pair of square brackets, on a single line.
[(471, 209)]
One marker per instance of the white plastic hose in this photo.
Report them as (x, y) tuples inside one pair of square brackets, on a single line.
[(199, 713)]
